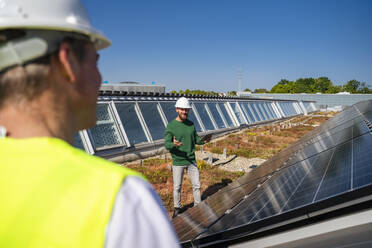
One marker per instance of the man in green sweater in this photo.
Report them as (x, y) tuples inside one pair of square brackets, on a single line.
[(180, 139)]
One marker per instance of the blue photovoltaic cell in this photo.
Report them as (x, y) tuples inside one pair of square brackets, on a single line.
[(368, 116), (308, 187), (338, 176), (253, 110), (105, 132), (258, 111), (131, 123), (268, 114), (283, 108), (359, 127), (268, 106), (325, 173), (153, 119), (225, 114), (237, 112), (268, 110), (78, 143), (277, 192), (102, 112), (249, 112), (202, 111), (216, 115), (247, 117), (288, 108), (192, 118), (362, 161), (263, 111), (169, 110)]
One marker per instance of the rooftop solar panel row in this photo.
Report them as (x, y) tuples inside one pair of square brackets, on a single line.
[(333, 160), (125, 122)]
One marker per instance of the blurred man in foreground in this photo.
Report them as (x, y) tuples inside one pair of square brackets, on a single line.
[(52, 194)]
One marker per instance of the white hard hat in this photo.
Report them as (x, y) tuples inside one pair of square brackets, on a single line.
[(38, 16), (58, 15), (183, 103)]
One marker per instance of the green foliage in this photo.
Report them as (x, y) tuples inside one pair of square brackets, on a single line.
[(196, 92), (321, 85), (261, 90), (202, 165), (324, 85), (247, 153), (232, 93), (301, 85), (352, 86), (364, 88), (154, 176), (153, 161), (217, 150)]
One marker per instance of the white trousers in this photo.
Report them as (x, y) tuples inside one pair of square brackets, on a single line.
[(193, 172)]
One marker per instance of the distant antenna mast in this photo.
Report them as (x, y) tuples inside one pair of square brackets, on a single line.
[(239, 80)]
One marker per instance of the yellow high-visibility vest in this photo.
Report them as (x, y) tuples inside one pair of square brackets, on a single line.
[(54, 195)]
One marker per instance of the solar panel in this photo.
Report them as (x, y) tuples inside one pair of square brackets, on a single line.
[(200, 107), (263, 111), (132, 125), (105, 132), (258, 111), (253, 110), (245, 113), (153, 119), (193, 118), (268, 106), (329, 162), (216, 115), (169, 110), (78, 142), (225, 114), (237, 112), (249, 112), (362, 161)]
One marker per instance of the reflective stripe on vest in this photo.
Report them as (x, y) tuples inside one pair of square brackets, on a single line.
[(53, 195)]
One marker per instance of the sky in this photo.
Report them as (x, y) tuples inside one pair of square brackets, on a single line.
[(203, 44)]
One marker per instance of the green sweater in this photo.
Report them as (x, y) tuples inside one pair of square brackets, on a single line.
[(186, 133)]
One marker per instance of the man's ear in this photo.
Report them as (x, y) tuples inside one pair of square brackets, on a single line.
[(68, 61)]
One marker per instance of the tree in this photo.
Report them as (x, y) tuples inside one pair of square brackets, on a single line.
[(232, 93), (283, 86), (304, 85), (261, 90), (196, 92), (352, 86), (283, 81), (324, 85), (247, 90), (280, 88), (364, 88)]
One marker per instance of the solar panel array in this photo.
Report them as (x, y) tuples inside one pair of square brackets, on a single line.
[(328, 163), (125, 121)]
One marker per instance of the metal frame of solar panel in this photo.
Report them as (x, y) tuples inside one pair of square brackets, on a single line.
[(328, 169), (131, 126)]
